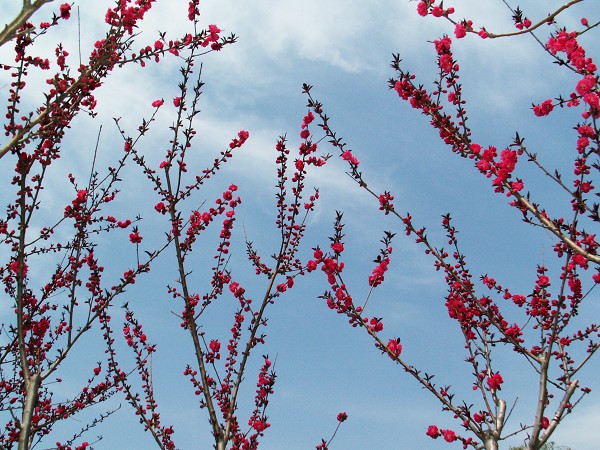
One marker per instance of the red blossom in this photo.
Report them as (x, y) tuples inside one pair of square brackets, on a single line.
[(566, 42), (436, 11), (586, 84), (586, 187), (193, 10), (215, 346), (259, 425), (449, 436), (495, 381), (377, 276), (517, 186), (544, 108), (14, 268), (348, 156), (433, 431), (337, 247), (239, 141), (375, 325), (65, 11), (160, 207), (394, 348), (442, 46), (460, 31), (129, 276), (135, 237), (307, 120), (385, 202), (445, 62)]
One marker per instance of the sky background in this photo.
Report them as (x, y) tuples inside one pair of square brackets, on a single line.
[(343, 49)]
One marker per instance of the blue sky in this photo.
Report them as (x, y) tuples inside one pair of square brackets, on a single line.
[(343, 49)]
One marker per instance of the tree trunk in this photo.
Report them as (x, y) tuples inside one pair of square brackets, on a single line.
[(491, 441), (33, 386)]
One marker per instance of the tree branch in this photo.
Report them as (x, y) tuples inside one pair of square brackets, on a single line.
[(10, 29)]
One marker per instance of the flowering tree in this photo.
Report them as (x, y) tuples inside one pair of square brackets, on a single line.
[(547, 334), (64, 298), (72, 336)]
